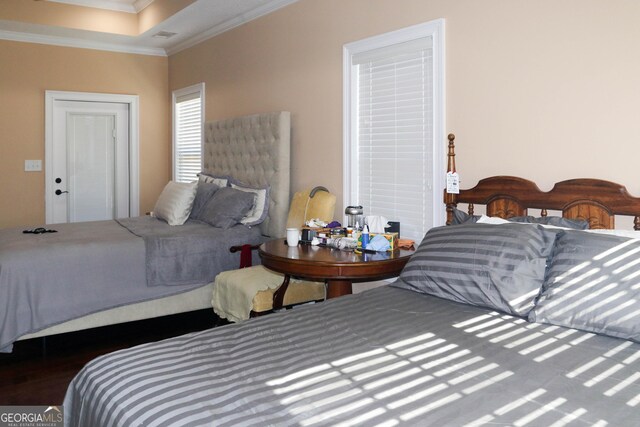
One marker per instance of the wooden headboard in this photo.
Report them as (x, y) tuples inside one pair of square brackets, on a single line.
[(593, 200)]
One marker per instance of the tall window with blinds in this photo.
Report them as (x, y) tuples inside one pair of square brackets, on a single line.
[(188, 117), (393, 145)]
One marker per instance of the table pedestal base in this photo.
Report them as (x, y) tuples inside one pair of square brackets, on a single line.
[(338, 288)]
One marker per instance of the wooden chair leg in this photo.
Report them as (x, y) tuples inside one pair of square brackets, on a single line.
[(278, 295), (258, 314)]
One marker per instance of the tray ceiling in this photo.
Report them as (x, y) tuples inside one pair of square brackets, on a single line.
[(193, 24)]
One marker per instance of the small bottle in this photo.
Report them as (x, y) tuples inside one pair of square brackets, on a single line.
[(365, 236)]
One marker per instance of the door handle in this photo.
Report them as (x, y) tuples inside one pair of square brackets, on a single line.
[(59, 192)]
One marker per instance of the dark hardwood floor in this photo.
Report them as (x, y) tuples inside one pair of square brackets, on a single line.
[(38, 371)]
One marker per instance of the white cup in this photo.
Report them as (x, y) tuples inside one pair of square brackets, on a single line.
[(293, 236)]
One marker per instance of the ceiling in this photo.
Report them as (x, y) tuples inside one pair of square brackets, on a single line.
[(198, 21), (132, 6)]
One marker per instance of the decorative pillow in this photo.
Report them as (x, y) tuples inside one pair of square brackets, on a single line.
[(497, 266), (260, 208), (556, 221), (175, 202), (461, 217), (227, 207), (220, 181), (593, 284), (204, 192), (494, 220)]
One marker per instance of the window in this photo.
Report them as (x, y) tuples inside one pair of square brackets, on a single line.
[(188, 119), (394, 127)]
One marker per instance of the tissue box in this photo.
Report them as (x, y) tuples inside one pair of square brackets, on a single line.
[(391, 237)]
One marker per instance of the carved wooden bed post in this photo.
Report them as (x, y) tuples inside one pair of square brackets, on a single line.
[(450, 199)]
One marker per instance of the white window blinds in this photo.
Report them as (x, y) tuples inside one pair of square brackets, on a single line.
[(393, 164), (188, 127)]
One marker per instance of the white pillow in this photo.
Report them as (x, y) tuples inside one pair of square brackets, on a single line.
[(260, 209), (220, 181), (175, 202), (492, 220)]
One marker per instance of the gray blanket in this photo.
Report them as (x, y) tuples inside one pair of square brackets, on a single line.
[(382, 357), (191, 253), (46, 279)]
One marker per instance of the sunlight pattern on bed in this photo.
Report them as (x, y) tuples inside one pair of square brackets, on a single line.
[(383, 357), (613, 371)]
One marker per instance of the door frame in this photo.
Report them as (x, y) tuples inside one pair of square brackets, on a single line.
[(134, 141)]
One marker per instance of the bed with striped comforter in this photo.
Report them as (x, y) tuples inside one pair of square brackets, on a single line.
[(382, 357)]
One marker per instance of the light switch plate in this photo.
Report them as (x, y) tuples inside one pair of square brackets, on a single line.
[(33, 165)]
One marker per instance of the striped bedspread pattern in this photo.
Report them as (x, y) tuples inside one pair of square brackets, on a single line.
[(383, 357)]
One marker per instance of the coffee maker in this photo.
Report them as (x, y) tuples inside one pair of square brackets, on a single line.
[(354, 216)]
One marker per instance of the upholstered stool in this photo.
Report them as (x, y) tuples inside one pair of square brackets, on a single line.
[(251, 291)]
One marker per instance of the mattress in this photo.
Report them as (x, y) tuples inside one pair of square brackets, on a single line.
[(88, 267), (386, 356)]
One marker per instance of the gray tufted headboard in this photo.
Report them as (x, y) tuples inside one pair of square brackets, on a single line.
[(255, 150)]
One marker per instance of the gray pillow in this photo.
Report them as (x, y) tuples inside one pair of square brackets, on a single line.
[(496, 266), (556, 221), (461, 217), (593, 284), (227, 207), (204, 192)]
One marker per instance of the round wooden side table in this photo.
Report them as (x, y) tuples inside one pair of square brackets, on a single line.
[(339, 268)]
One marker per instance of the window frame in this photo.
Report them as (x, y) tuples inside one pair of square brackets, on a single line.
[(434, 29), (198, 89)]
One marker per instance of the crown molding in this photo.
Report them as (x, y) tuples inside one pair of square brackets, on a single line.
[(141, 4), (132, 47), (118, 6), (229, 24), (79, 43)]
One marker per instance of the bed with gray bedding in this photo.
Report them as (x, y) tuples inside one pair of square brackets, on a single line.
[(510, 324), (107, 268), (383, 357), (50, 278)]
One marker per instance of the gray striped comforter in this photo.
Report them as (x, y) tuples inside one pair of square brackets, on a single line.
[(383, 357)]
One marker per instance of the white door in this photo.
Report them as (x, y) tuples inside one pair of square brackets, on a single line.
[(89, 161)]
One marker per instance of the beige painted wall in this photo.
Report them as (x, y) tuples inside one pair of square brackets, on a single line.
[(543, 89), (28, 70)]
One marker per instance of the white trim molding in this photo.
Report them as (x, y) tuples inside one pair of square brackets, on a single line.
[(134, 140), (436, 30), (198, 89), (129, 6), (79, 43), (229, 24)]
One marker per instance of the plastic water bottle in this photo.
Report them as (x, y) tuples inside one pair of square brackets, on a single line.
[(365, 236)]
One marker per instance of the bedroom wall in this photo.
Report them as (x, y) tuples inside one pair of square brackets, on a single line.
[(28, 70), (546, 90)]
